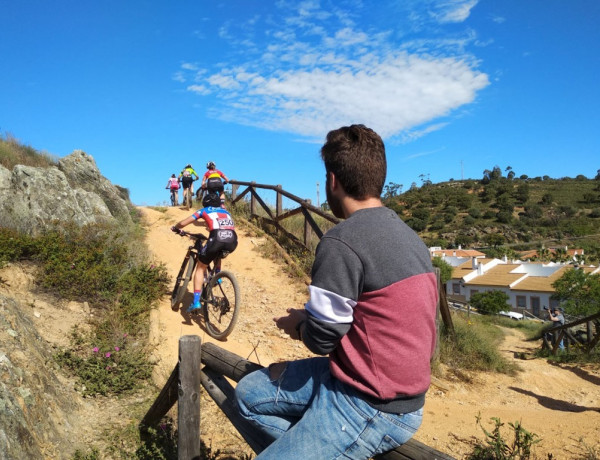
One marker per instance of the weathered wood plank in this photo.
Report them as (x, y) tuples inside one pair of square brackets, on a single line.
[(163, 403), (188, 407), (222, 393)]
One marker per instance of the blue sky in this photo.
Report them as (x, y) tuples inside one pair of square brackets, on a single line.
[(453, 86)]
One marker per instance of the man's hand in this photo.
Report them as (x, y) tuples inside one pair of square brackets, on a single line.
[(288, 323), (176, 230)]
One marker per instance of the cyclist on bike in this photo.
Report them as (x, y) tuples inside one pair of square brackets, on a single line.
[(187, 177), (211, 181), (173, 185), (221, 237)]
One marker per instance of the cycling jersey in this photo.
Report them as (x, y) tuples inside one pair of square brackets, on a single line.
[(213, 173), (173, 183), (215, 218), (222, 235), (190, 171)]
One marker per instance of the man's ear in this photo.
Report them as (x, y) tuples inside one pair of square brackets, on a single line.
[(333, 183)]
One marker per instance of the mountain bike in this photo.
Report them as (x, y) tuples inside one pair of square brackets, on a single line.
[(187, 197), (220, 297), (174, 197)]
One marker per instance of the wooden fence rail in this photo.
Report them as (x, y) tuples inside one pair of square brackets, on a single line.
[(564, 334), (274, 218), (219, 365)]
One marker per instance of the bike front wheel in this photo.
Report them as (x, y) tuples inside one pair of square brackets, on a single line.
[(183, 278), (221, 304)]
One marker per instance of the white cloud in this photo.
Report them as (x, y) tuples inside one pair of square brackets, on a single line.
[(454, 10), (306, 83)]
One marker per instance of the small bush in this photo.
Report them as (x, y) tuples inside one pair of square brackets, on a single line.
[(496, 447), (473, 347), (109, 368)]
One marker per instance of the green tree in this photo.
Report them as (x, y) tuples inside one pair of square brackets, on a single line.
[(445, 269), (490, 303), (493, 239), (391, 190), (547, 199), (578, 292)]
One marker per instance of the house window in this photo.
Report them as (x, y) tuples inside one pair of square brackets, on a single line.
[(521, 301), (455, 288), (474, 291)]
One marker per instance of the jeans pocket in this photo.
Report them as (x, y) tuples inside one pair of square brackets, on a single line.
[(387, 443)]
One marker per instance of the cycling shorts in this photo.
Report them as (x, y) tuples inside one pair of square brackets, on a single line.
[(218, 241), (187, 181), (214, 184)]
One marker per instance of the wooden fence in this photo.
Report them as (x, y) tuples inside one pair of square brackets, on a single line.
[(277, 215), (183, 386), (586, 340)]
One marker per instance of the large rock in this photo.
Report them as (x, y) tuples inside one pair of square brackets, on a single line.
[(37, 411), (32, 198)]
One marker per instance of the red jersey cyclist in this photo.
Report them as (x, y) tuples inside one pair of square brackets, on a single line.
[(221, 237), (213, 179)]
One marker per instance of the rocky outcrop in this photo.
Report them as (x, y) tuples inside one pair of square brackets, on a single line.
[(36, 409), (33, 198)]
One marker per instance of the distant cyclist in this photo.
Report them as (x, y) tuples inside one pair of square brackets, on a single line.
[(187, 178), (173, 185), (213, 179), (221, 237)]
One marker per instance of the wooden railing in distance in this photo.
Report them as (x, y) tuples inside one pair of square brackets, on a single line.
[(562, 333), (274, 218), (219, 365)]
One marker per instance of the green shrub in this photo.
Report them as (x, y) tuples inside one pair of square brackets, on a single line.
[(110, 368), (490, 302), (496, 447), (473, 347)]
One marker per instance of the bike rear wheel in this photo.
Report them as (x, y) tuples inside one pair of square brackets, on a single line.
[(183, 278), (188, 198), (221, 299)]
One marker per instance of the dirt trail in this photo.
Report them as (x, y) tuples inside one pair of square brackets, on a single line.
[(559, 404)]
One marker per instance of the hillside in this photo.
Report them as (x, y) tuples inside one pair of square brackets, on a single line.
[(517, 213)]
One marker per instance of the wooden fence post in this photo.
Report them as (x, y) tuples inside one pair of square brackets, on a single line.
[(188, 420), (234, 189), (252, 200), (278, 201)]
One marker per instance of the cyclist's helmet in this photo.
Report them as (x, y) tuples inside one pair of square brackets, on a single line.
[(188, 166), (211, 165), (211, 199)]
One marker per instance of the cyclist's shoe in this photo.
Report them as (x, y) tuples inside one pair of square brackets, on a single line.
[(194, 307)]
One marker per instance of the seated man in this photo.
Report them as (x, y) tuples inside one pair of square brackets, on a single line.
[(370, 313), (222, 237)]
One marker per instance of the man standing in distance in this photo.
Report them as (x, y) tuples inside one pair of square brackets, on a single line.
[(371, 309)]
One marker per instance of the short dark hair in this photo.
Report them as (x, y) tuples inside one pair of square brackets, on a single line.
[(356, 155)]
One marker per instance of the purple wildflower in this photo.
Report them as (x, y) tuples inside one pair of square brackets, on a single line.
[(95, 349), (107, 355), (117, 348)]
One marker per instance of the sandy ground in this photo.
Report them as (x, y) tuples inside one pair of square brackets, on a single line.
[(561, 404)]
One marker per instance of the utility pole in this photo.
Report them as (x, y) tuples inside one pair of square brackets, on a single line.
[(318, 203)]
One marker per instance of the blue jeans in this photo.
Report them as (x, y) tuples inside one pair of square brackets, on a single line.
[(309, 414)]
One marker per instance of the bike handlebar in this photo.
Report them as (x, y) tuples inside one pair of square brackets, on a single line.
[(197, 236)]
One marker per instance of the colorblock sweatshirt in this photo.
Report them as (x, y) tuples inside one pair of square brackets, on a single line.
[(372, 308)]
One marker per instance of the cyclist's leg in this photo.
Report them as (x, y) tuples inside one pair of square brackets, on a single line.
[(199, 276)]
